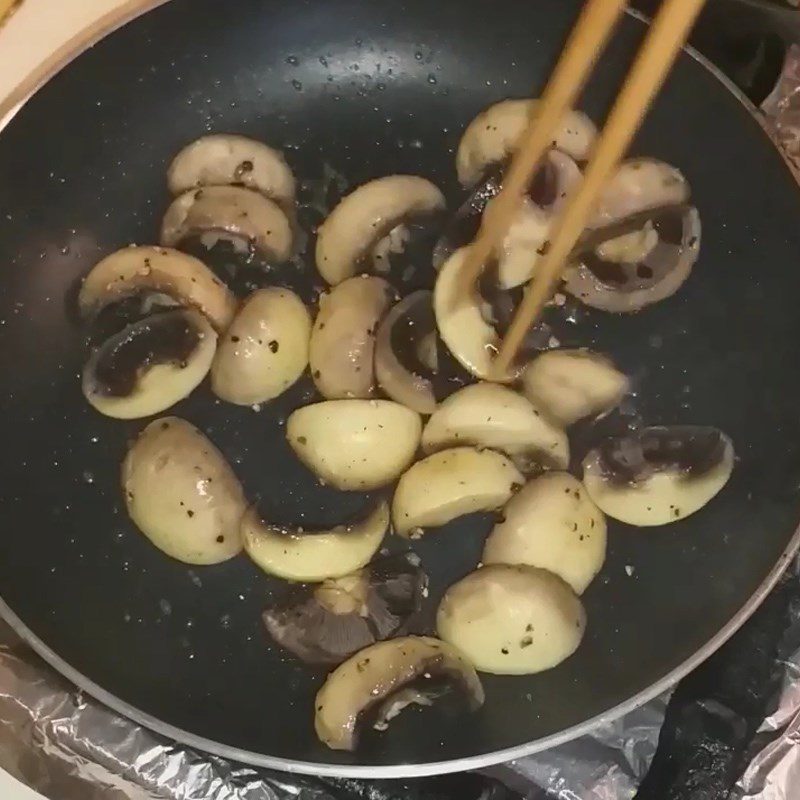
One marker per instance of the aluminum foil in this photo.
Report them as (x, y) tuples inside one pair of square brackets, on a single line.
[(69, 747)]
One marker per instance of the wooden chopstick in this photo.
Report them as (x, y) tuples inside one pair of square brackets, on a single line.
[(667, 34), (586, 41)]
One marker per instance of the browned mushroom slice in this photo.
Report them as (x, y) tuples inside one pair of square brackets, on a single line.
[(328, 622), (637, 262), (388, 676)]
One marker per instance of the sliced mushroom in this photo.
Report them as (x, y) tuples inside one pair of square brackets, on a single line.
[(639, 184), (265, 350), (150, 365), (494, 416), (230, 213), (646, 260), (658, 475), (359, 223), (355, 445), (527, 238), (328, 622), (493, 135), (341, 352), (551, 523), (227, 159), (134, 270), (471, 340), (402, 353), (569, 385), (182, 494), (296, 554), (379, 674), (450, 484), (512, 620)]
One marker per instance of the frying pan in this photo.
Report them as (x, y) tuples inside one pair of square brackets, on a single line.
[(366, 89)]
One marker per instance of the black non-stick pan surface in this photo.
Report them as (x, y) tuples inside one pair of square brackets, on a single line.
[(362, 89)]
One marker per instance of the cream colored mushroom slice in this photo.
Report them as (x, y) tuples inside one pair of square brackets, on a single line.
[(150, 365), (296, 554), (365, 216), (265, 350), (493, 135), (451, 484), (390, 675), (639, 184), (157, 269), (406, 349), (231, 213), (342, 347), (658, 475), (472, 341), (228, 159), (489, 415), (551, 523), (355, 445), (512, 619), (569, 385), (182, 494)]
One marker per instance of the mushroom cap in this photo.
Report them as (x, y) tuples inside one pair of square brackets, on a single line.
[(265, 349), (182, 494), (162, 270), (658, 475), (150, 365), (233, 213), (230, 159), (363, 217), (374, 675)]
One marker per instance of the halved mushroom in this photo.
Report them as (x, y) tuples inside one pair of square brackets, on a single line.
[(296, 554), (493, 135), (355, 445), (265, 350), (450, 484), (647, 259), (389, 675), (658, 475), (569, 385), (642, 242), (468, 336), (328, 622), (356, 228), (240, 216), (160, 270), (150, 365), (512, 620), (493, 416), (527, 238), (228, 159), (182, 494), (639, 184), (403, 352), (342, 347), (551, 523)]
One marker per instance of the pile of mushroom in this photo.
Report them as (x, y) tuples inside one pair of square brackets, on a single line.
[(392, 414)]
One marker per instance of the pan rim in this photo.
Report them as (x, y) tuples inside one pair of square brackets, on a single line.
[(9, 106)]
